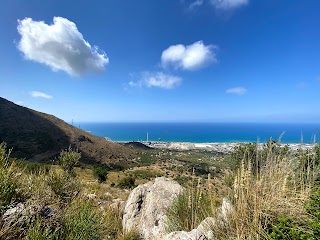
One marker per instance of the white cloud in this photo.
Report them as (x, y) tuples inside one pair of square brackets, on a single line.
[(237, 90), (190, 57), (228, 4), (196, 3), (60, 46), (157, 79), (36, 94)]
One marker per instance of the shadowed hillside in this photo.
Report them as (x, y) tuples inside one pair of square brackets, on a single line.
[(38, 136)]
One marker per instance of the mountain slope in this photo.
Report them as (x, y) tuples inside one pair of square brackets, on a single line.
[(38, 136)]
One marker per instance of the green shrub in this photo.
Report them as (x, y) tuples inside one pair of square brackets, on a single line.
[(313, 208), (126, 182), (286, 228), (63, 185), (68, 159), (100, 173)]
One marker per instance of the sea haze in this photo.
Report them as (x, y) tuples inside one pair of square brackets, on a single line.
[(205, 132)]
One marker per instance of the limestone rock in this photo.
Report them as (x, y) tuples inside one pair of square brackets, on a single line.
[(206, 227), (146, 207), (195, 234), (226, 208), (118, 204), (14, 213), (91, 196)]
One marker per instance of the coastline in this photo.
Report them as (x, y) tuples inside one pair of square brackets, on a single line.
[(223, 147)]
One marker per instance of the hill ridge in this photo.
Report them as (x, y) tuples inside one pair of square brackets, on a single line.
[(38, 136)]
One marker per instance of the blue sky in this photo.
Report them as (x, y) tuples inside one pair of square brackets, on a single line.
[(168, 60)]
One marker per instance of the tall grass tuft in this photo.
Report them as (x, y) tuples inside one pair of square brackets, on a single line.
[(265, 189), (192, 206), (8, 178), (82, 222)]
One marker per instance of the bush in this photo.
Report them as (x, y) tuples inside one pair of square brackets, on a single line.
[(63, 185), (100, 173), (285, 228), (68, 159), (126, 182)]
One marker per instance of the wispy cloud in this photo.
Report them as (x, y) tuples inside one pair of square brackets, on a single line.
[(196, 4), (190, 57), (237, 90), (37, 94), (228, 4), (157, 79), (60, 46), (223, 5)]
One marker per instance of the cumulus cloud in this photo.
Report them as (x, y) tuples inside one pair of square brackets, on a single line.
[(157, 79), (228, 4), (60, 46), (237, 90), (190, 57), (37, 94)]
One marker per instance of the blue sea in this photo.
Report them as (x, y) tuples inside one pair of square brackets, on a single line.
[(205, 132)]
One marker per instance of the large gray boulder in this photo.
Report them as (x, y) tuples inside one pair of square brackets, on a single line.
[(145, 210), (195, 234)]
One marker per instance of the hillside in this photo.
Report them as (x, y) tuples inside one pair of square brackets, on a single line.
[(38, 136)]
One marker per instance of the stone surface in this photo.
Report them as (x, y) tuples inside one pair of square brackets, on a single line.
[(146, 207), (206, 227), (195, 234), (13, 214), (226, 208), (118, 204)]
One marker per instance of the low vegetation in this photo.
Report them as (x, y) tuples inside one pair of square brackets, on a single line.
[(275, 193), (51, 204)]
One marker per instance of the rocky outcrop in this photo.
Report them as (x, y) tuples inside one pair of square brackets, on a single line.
[(146, 207), (21, 215)]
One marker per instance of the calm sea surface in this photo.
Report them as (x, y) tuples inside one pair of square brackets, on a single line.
[(205, 132)]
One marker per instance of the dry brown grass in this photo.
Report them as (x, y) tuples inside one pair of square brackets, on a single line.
[(263, 191)]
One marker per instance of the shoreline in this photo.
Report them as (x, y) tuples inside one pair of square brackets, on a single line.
[(223, 147)]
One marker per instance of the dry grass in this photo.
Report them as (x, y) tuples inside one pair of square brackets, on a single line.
[(265, 190)]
